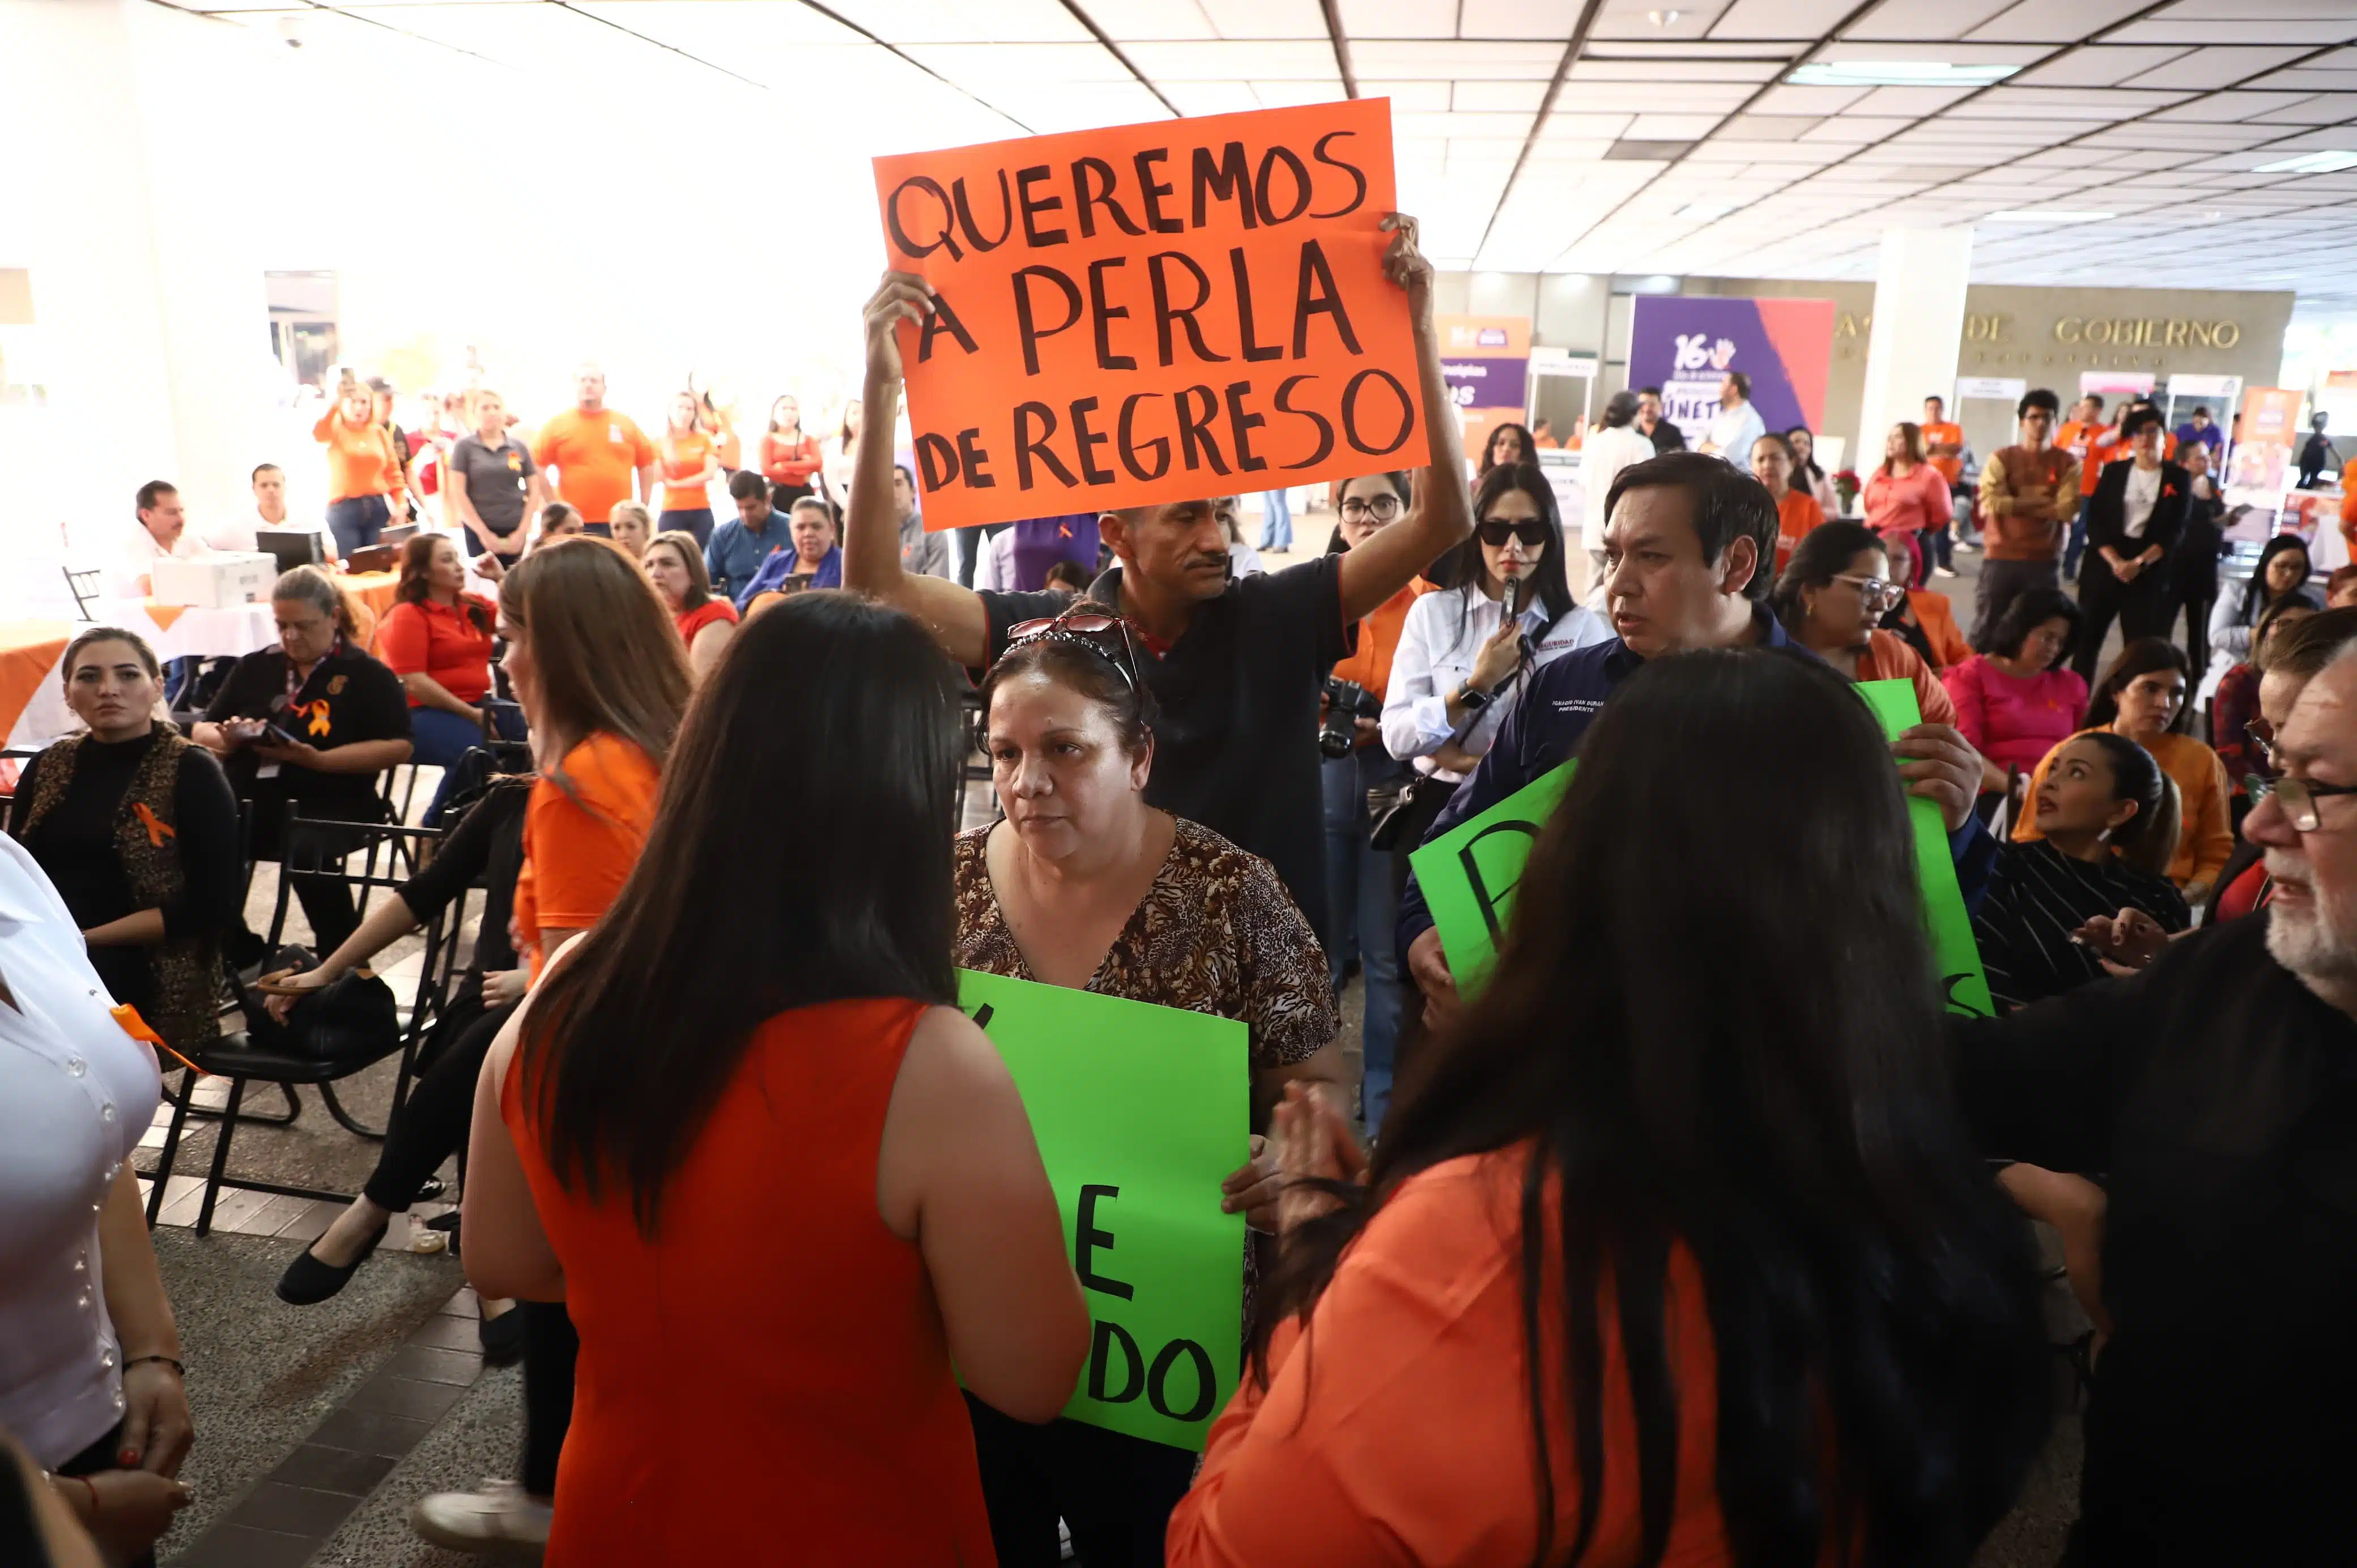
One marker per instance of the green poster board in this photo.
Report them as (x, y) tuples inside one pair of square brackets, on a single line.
[(1141, 1113), (1962, 982), (1468, 874)]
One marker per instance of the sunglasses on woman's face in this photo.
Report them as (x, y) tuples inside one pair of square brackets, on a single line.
[(1107, 636), (1530, 533)]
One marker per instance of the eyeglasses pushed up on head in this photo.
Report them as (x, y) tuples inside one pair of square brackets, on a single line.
[(1103, 635)]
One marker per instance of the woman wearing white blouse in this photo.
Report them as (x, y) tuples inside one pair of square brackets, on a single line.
[(1459, 659), (90, 1371)]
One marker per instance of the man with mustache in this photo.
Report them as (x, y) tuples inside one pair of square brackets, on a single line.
[(2216, 1093), (1237, 666)]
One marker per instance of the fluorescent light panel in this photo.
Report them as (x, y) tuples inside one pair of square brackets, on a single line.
[(1897, 74), (2328, 162)]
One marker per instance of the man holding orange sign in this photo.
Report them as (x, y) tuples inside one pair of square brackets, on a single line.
[(1151, 396)]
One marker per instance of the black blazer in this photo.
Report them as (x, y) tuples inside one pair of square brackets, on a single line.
[(2107, 511)]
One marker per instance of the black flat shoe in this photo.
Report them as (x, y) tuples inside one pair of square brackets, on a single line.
[(308, 1282), (502, 1338)]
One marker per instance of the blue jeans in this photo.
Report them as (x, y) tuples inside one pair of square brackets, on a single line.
[(695, 520), (1276, 522), (439, 738), (2077, 546), (1359, 907), (357, 523)]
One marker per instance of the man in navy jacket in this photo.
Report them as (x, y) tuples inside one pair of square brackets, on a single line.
[(1687, 545)]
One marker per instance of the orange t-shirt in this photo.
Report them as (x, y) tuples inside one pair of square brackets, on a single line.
[(1397, 1428), (361, 461), (690, 622), (579, 846), (1379, 637), (683, 460), (1798, 515), (2076, 437), (1938, 619), (1946, 433), (1888, 657), (441, 641), (593, 455)]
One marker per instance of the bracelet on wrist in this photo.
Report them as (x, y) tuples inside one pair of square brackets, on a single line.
[(168, 1361)]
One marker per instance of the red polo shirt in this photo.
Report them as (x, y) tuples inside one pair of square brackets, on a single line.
[(442, 642)]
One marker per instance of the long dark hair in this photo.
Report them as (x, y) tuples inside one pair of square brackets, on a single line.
[(2029, 610), (631, 1042), (2147, 841), (1462, 567), (2254, 591), (1808, 465), (411, 588), (1489, 447), (1789, 1122), (1822, 555), (605, 646), (2142, 657)]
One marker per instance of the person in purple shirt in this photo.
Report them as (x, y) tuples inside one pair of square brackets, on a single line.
[(1685, 543)]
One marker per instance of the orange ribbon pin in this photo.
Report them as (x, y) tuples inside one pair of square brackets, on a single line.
[(317, 712), (158, 828), (138, 1029)]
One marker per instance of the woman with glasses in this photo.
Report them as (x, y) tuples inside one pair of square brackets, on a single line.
[(1085, 885), (1832, 598), (1362, 882), (2282, 572), (2142, 698), (1461, 654)]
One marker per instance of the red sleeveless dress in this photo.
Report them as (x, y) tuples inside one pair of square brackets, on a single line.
[(767, 1380)]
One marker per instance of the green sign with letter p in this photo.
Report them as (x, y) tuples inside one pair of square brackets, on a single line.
[(1140, 1112)]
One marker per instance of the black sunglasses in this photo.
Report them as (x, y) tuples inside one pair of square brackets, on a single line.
[(1531, 531), (1103, 635)]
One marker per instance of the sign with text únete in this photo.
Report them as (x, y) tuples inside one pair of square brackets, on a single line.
[(1140, 1112), (1153, 313)]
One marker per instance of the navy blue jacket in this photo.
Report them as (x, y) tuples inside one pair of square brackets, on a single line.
[(1542, 732)]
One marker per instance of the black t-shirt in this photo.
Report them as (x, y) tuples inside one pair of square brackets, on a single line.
[(2218, 1096), (347, 698), (1236, 746)]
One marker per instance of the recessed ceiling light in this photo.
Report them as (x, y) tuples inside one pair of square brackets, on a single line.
[(1708, 211), (2047, 215), (1663, 18), (1896, 73), (2331, 162)]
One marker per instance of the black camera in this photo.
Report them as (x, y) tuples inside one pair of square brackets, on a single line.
[(1345, 701)]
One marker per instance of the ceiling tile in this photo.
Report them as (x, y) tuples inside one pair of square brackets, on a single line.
[(1670, 76), (2218, 66), (1398, 19), (1784, 99), (1240, 18), (1294, 91), (1492, 96), (1550, 19), (1918, 19), (2163, 30), (1017, 68), (2054, 21), (1857, 128), (1457, 60), (1780, 18), (1226, 61), (1672, 127), (1765, 128), (949, 21), (1910, 101), (2100, 66), (2324, 109), (1641, 18), (1415, 97), (1210, 97)]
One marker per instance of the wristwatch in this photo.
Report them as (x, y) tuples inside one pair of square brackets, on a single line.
[(1471, 697)]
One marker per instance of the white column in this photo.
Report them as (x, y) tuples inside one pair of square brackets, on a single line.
[(126, 205), (1919, 328)]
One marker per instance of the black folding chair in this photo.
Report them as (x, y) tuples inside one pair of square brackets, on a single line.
[(240, 1058)]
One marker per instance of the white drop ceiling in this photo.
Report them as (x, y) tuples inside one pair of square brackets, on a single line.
[(1599, 135)]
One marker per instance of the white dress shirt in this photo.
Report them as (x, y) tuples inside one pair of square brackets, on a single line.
[(1732, 432), (1602, 457), (130, 574), (2143, 495), (1436, 653), (76, 1092)]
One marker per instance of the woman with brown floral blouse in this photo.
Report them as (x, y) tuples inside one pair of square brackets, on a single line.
[(1086, 885)]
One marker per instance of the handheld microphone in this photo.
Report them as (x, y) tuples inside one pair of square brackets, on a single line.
[(1513, 596)]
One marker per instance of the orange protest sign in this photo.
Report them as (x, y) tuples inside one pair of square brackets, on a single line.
[(1154, 312)]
